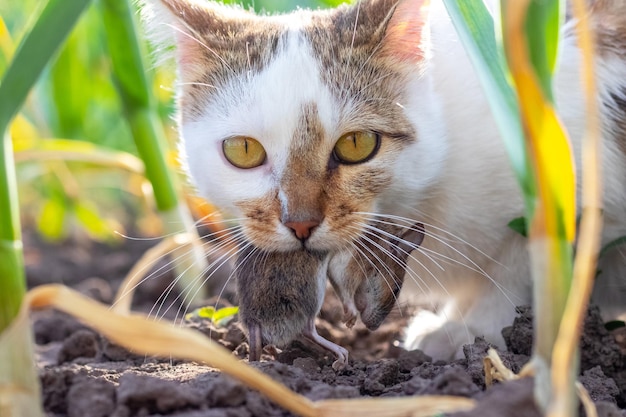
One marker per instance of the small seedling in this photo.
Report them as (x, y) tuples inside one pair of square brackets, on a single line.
[(219, 317)]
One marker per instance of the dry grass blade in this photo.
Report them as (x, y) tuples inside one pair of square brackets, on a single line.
[(124, 296), (590, 227), (585, 399), (111, 159), (394, 407), (496, 370), (140, 334)]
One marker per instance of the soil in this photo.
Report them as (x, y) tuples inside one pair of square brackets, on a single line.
[(83, 374)]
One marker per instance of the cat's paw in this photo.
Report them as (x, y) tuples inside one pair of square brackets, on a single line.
[(437, 337)]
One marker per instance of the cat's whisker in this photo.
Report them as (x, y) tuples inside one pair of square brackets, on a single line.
[(452, 235), (172, 262), (481, 271), (234, 235), (406, 242), (415, 277), (422, 249), (430, 254), (381, 261), (398, 261), (376, 81), (220, 261), (197, 83), (242, 244), (429, 233)]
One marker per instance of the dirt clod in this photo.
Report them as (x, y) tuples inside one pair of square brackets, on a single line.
[(83, 374)]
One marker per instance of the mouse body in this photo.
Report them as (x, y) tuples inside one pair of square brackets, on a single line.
[(368, 278), (280, 294)]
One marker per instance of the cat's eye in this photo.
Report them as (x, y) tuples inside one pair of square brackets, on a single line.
[(243, 152), (356, 147)]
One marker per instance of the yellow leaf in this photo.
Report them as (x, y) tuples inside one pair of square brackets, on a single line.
[(546, 139), (52, 219), (23, 133), (7, 46), (98, 227)]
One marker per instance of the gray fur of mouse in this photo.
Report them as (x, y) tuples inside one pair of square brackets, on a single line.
[(280, 294)]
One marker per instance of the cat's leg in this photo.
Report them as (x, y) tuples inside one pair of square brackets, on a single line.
[(476, 303), (610, 284), (442, 335)]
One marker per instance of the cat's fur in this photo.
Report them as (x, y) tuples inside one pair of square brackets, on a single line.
[(297, 82)]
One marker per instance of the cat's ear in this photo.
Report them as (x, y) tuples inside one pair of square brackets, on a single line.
[(407, 34), (193, 28)]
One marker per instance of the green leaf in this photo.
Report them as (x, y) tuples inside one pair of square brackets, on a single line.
[(614, 325), (519, 225), (542, 32), (224, 315), (131, 76), (51, 220), (88, 216), (34, 52), (206, 312)]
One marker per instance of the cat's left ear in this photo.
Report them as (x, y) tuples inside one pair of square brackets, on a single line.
[(407, 34)]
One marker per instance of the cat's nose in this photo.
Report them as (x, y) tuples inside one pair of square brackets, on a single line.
[(302, 229)]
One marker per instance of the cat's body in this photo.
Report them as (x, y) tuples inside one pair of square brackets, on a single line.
[(300, 84)]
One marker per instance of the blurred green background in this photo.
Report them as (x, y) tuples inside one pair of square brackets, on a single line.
[(76, 99)]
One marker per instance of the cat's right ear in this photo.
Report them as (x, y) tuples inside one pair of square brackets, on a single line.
[(407, 34), (189, 27)]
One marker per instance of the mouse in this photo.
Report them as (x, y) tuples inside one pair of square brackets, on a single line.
[(280, 294), (368, 278)]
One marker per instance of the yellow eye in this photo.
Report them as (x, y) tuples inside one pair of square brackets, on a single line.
[(355, 147), (243, 152)]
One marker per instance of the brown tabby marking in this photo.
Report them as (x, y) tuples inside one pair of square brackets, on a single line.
[(608, 21), (355, 66), (306, 168), (218, 44)]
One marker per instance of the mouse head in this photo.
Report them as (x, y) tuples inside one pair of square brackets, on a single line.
[(376, 271)]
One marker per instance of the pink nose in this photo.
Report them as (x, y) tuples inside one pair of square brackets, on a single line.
[(302, 229)]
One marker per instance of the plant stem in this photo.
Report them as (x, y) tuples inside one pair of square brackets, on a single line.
[(130, 71), (12, 279), (35, 51)]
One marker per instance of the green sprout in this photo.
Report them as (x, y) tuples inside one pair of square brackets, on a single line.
[(219, 317)]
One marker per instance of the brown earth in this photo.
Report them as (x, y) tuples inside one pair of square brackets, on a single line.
[(84, 375)]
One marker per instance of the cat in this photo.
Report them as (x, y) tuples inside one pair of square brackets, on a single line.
[(306, 126)]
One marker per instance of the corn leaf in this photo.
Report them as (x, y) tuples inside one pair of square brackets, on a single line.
[(552, 228), (6, 46), (37, 48), (127, 56)]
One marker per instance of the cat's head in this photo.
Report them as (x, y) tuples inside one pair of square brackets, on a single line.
[(302, 124)]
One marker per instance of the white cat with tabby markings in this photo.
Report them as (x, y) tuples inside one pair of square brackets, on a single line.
[(306, 126)]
